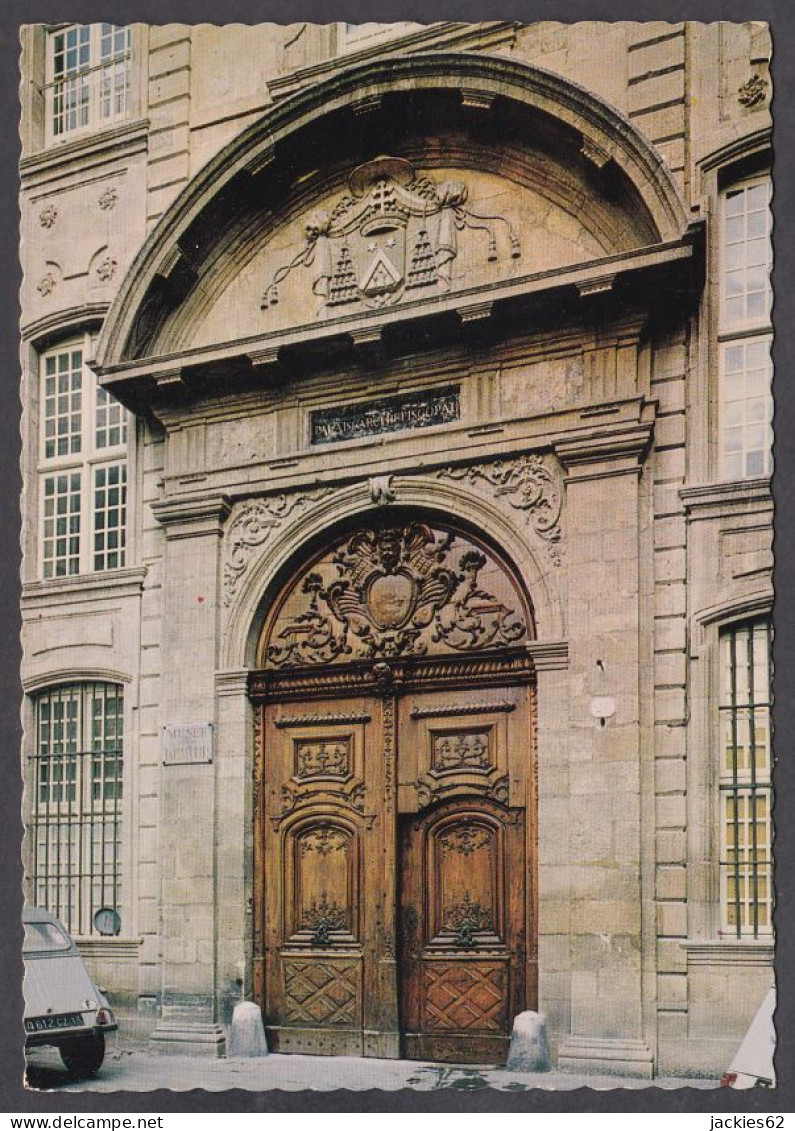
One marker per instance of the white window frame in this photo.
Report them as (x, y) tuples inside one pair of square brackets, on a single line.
[(85, 462), (91, 74), (741, 331)]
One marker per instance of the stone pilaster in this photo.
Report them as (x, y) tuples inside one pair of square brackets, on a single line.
[(604, 754), (187, 818)]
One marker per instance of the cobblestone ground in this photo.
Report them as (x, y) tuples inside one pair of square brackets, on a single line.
[(135, 1070)]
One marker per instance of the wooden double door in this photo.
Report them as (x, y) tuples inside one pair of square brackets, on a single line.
[(394, 872)]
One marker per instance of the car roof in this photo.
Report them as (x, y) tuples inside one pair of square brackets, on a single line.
[(38, 915)]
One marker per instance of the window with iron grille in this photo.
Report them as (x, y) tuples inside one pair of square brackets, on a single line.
[(744, 780), (82, 467), (76, 782), (88, 77)]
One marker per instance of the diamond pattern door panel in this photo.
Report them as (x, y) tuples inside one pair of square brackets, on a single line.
[(463, 911), (321, 993), (464, 995)]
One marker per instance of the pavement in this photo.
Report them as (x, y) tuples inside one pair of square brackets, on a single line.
[(136, 1070)]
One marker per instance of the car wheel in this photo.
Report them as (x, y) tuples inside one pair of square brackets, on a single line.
[(83, 1057)]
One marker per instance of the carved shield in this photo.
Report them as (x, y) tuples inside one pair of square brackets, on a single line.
[(391, 599)]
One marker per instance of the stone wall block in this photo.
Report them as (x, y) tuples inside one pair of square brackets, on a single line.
[(671, 957), (670, 775), (671, 846), (671, 810), (670, 431), (655, 56), (670, 704), (671, 882), (672, 919), (656, 89), (669, 668)]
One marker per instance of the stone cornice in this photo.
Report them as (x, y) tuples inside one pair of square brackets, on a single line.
[(443, 36), (737, 148), (530, 89), (607, 451), (729, 952), (59, 322), (268, 351), (456, 446), (232, 683), (60, 674), (744, 606), (713, 500), (549, 655), (78, 155), (192, 518), (116, 583), (117, 948)]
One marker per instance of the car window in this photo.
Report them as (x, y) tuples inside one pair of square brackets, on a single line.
[(44, 936)]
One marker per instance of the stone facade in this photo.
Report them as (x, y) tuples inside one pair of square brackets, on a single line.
[(469, 272)]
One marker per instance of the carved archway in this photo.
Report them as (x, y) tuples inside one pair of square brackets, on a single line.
[(290, 527), (394, 692)]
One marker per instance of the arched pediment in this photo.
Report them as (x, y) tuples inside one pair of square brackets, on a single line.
[(491, 173)]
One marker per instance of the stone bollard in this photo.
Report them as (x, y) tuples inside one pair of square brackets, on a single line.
[(247, 1034), (528, 1051)]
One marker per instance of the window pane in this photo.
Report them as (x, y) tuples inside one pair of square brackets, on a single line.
[(62, 407), (61, 526), (110, 516), (745, 413), (110, 428), (91, 68), (746, 293)]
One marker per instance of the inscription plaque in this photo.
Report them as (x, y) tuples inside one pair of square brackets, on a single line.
[(393, 414), (187, 743)]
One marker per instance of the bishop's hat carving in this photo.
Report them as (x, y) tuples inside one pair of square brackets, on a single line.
[(393, 232)]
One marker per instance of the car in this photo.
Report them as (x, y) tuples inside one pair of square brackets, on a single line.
[(63, 1006), (752, 1066)]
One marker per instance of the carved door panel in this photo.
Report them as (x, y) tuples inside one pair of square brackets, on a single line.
[(320, 910), (462, 924)]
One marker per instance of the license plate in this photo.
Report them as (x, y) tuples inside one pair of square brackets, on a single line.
[(57, 1021)]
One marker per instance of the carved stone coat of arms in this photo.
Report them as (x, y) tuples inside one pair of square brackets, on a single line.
[(393, 234)]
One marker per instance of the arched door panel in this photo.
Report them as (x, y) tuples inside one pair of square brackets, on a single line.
[(462, 909)]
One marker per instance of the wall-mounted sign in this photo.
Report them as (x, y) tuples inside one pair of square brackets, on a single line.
[(187, 743), (423, 409)]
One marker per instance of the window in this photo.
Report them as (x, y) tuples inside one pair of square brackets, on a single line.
[(744, 780), (88, 77), (82, 469), (745, 331), (76, 779)]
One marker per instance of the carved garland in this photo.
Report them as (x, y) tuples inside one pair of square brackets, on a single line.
[(528, 483), (251, 525)]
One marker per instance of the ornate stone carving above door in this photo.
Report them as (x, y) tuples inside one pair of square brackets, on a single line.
[(393, 591), (394, 234), (530, 483), (251, 524)]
